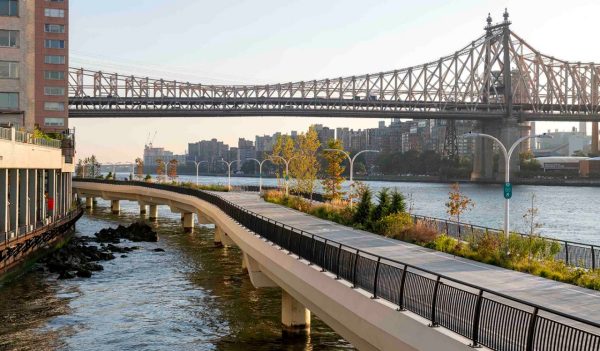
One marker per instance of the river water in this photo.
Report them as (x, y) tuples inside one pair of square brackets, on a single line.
[(564, 212), (191, 297)]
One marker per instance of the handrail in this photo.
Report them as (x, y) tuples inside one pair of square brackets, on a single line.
[(566, 337)]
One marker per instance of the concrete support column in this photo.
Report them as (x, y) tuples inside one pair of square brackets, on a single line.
[(23, 198), (595, 138), (295, 318), (4, 219), (13, 196), (153, 212), (52, 192), (115, 207), (218, 237), (188, 222), (33, 196), (142, 210), (89, 202), (483, 158)]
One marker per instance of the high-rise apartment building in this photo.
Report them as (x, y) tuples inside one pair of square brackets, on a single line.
[(34, 63)]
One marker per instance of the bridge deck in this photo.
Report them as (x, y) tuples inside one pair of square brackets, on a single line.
[(566, 298)]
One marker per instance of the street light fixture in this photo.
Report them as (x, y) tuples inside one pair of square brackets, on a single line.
[(351, 159), (198, 163), (260, 165), (507, 156), (228, 172), (287, 171)]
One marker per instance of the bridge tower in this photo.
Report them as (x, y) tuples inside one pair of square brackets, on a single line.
[(508, 129)]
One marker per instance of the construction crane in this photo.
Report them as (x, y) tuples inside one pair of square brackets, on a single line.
[(150, 141)]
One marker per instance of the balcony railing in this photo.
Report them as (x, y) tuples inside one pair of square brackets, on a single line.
[(28, 138)]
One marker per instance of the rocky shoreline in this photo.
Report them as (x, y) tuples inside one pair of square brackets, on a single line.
[(80, 257)]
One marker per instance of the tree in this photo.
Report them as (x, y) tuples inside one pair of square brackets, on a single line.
[(305, 166), (79, 169), (172, 170), (139, 168), (363, 210), (531, 217), (284, 147), (383, 205), (333, 173), (458, 203), (398, 204), (160, 170)]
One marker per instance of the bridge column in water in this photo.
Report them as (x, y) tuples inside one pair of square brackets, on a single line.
[(153, 212), (89, 202), (188, 222), (295, 318), (115, 207), (142, 209)]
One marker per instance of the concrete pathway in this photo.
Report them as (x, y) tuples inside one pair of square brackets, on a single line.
[(566, 298)]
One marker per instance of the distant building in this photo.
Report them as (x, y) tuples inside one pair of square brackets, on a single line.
[(325, 134), (245, 151), (563, 144), (153, 154), (561, 163)]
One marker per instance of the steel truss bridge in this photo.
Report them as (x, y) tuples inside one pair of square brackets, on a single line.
[(497, 75)]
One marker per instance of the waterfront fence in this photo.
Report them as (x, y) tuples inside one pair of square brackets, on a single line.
[(491, 319)]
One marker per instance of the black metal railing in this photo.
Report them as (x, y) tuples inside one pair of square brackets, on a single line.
[(8, 237), (491, 319)]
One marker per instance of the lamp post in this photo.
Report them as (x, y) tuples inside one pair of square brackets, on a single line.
[(228, 172), (260, 165), (287, 171), (351, 159), (198, 163), (507, 156)]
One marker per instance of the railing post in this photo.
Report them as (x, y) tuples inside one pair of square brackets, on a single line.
[(593, 258), (566, 253), (337, 263), (323, 256), (531, 330), (355, 269), (376, 278), (476, 319), (312, 255), (434, 302), (402, 283)]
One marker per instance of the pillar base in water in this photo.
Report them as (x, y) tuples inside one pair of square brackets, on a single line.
[(115, 207), (153, 213), (295, 318), (89, 203)]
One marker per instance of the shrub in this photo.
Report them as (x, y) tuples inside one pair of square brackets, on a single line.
[(422, 232), (398, 203), (383, 206), (363, 210), (394, 225)]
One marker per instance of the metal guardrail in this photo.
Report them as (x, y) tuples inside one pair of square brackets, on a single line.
[(7, 238), (6, 133), (491, 319), (28, 138)]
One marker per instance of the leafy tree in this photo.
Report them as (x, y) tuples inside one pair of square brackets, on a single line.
[(398, 203), (79, 169), (305, 166), (458, 203), (284, 147), (172, 170), (363, 210), (332, 183), (139, 168), (148, 178), (110, 175), (531, 217), (160, 170), (383, 206)]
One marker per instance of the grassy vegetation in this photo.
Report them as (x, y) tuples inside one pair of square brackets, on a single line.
[(533, 255), (209, 187)]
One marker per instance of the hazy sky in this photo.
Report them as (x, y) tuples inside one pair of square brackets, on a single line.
[(270, 41)]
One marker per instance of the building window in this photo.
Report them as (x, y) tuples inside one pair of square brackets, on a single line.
[(9, 70), (55, 60), (54, 75), (54, 44), (54, 13), (9, 101), (54, 106), (9, 38), (54, 122), (9, 8), (54, 91), (54, 28)]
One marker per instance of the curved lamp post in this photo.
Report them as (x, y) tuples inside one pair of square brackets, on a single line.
[(287, 171), (507, 156), (198, 163), (260, 165), (351, 159), (229, 172)]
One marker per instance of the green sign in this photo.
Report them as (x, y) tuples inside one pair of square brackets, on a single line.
[(507, 190)]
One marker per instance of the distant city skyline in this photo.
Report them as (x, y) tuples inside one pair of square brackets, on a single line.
[(231, 42)]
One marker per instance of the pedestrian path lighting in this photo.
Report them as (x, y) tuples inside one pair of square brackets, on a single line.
[(507, 156), (198, 163), (287, 171), (351, 159), (229, 172), (260, 164)]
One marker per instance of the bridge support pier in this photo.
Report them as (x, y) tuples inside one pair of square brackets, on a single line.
[(153, 212), (115, 206), (89, 202), (295, 318), (595, 150), (188, 222), (142, 210), (508, 130)]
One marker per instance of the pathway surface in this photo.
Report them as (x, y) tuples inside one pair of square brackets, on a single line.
[(566, 298)]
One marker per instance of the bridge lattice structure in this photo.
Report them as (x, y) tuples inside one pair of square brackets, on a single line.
[(498, 75)]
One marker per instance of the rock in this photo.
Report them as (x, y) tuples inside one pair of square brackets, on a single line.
[(66, 275), (159, 250), (84, 273), (136, 232), (94, 267), (123, 256)]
